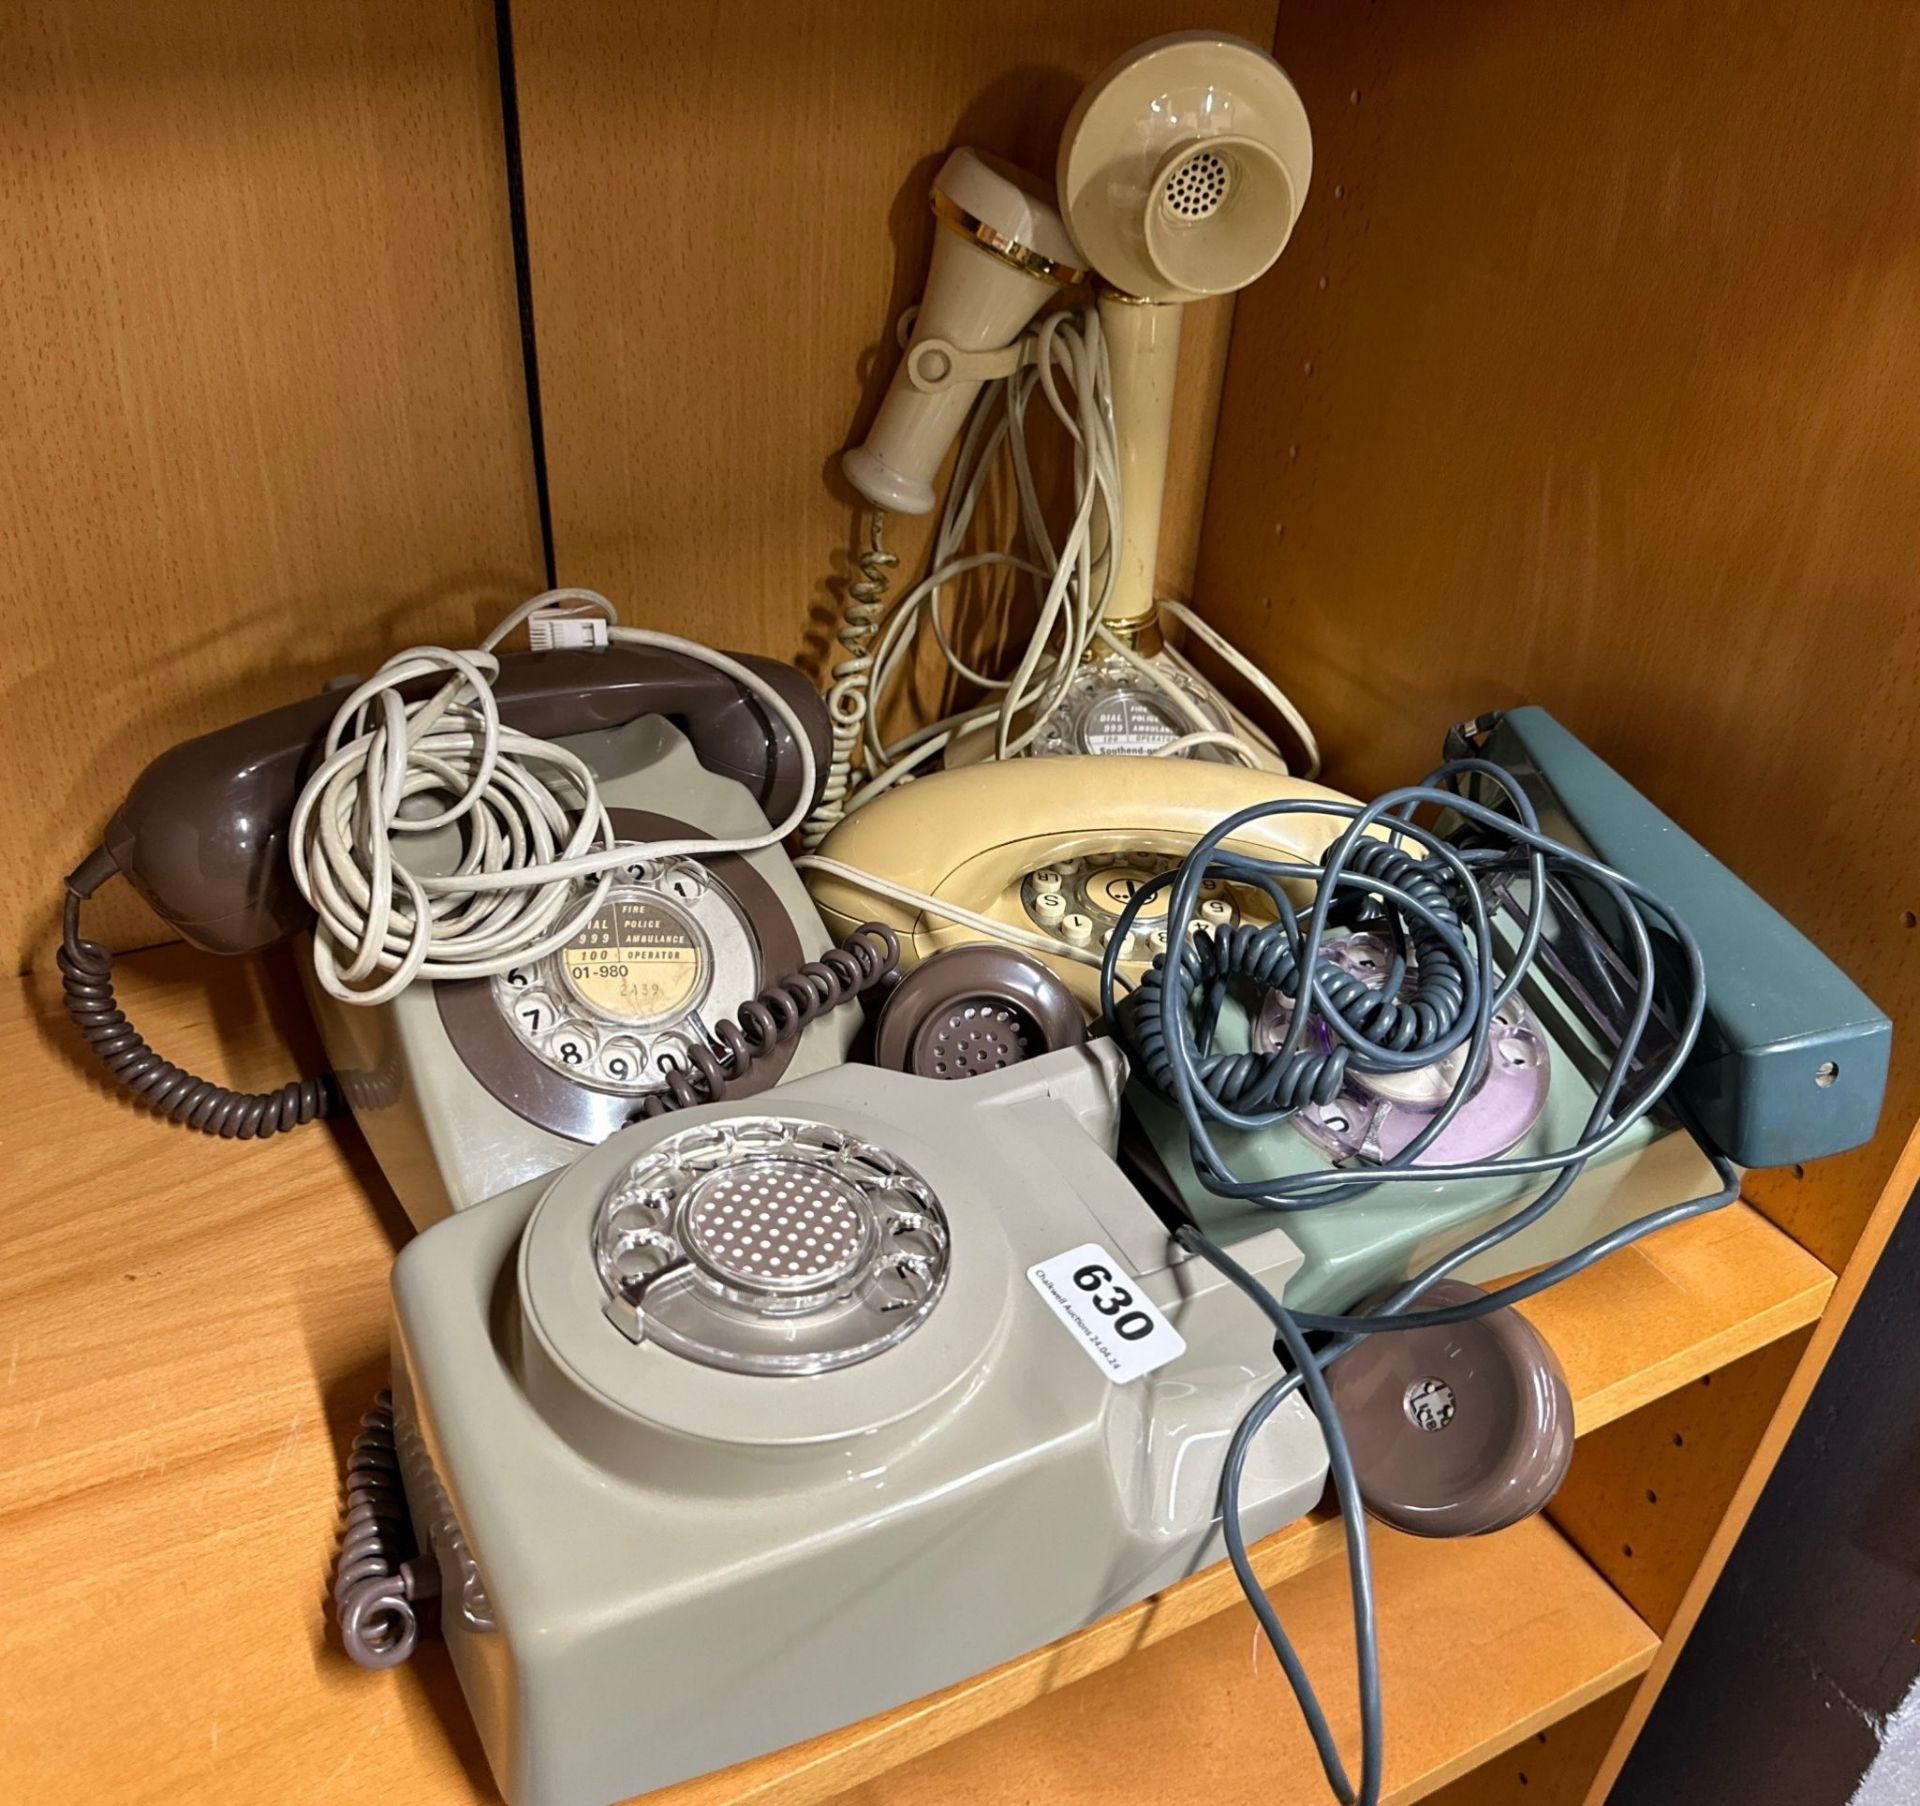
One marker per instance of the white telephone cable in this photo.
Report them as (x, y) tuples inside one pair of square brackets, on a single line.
[(1071, 343), (1075, 583), (1275, 697), (529, 812)]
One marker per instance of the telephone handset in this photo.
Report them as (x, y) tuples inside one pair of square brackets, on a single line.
[(468, 1086), (1047, 853), (202, 833)]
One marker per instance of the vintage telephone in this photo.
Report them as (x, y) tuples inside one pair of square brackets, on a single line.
[(773, 1414), (1046, 854), (469, 1085), (1181, 172)]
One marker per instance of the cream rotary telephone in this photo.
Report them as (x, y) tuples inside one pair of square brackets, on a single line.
[(1045, 854)]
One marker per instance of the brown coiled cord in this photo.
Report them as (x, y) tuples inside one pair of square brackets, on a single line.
[(778, 1015), (375, 1588), (86, 982)]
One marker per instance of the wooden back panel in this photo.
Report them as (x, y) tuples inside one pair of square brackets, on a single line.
[(1584, 382), (263, 408), (727, 213), (267, 417)]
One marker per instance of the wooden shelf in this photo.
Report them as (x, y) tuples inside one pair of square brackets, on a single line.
[(1483, 1642), (1654, 1317), (194, 1326)]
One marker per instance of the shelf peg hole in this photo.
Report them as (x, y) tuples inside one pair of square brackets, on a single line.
[(1825, 1073), (1626, 1549), (1653, 1498), (1907, 918), (1799, 1171), (1679, 1441)]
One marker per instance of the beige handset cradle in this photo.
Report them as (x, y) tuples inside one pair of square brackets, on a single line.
[(1056, 848)]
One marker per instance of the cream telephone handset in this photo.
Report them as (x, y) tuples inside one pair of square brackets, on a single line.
[(523, 940), (1181, 172), (1047, 853)]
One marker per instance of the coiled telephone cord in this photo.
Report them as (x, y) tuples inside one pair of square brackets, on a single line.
[(1365, 1018), (778, 1015), (850, 698), (86, 985), (377, 1586)]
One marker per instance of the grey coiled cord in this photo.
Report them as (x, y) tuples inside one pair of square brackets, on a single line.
[(86, 982), (1184, 1006), (382, 1574), (1263, 958), (778, 1015)]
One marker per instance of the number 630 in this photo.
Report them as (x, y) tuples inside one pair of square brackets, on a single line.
[(1111, 1299)]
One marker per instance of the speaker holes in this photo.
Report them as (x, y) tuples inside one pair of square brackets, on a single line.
[(1198, 186)]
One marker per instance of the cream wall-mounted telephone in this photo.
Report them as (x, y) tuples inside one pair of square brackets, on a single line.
[(1046, 853), (468, 1086)]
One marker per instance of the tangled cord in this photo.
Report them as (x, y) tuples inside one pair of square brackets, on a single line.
[(1374, 1028), (528, 812), (778, 1015), (849, 700), (382, 1574), (1066, 363), (86, 987), (1067, 367), (1434, 910)]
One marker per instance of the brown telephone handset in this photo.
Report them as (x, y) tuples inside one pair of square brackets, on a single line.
[(202, 834), (467, 1087)]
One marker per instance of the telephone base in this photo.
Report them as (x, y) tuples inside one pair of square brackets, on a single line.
[(457, 1110), (1358, 1246), (654, 1568)]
